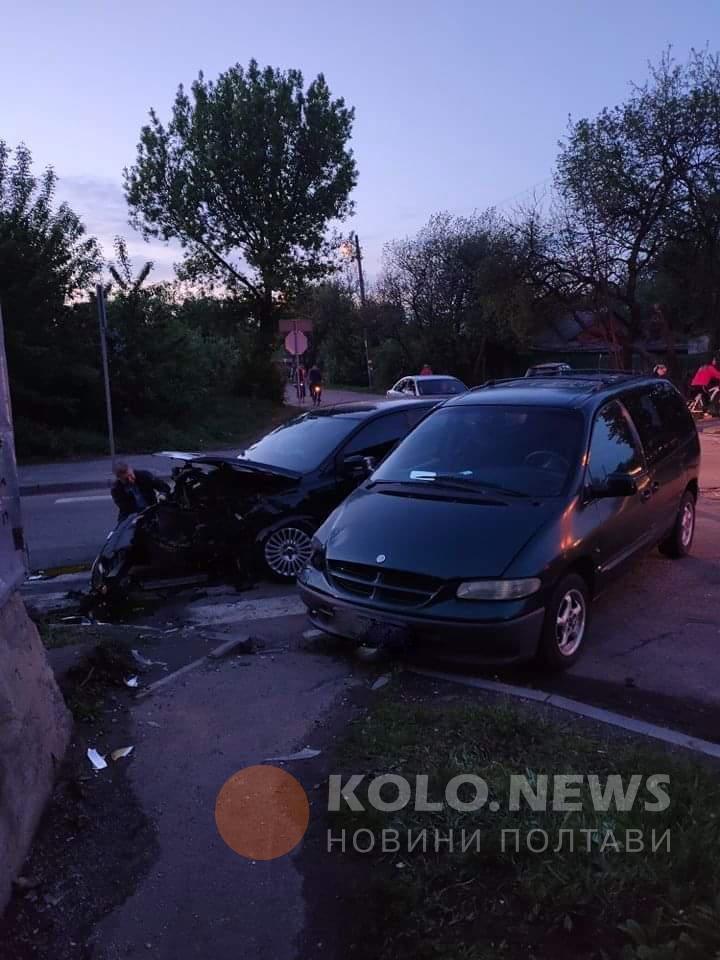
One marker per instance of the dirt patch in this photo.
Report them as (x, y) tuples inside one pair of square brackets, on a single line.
[(87, 686), (93, 846), (94, 842)]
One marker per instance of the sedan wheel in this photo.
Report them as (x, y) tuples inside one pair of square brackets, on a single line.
[(566, 623), (286, 551)]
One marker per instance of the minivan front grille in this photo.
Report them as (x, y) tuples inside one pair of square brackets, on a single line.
[(387, 586)]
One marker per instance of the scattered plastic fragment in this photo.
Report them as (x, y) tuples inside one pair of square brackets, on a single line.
[(306, 754), (96, 759), (381, 682), (144, 662), (121, 752), (131, 682)]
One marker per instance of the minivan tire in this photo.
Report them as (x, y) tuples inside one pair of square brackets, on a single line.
[(680, 541), (565, 626)]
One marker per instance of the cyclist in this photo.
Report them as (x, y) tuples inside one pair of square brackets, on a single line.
[(314, 379), (706, 377)]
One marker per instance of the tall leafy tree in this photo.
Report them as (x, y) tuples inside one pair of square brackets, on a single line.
[(248, 175), (459, 286), (633, 184), (46, 261)]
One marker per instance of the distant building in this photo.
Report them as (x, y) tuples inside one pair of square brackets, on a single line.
[(598, 338)]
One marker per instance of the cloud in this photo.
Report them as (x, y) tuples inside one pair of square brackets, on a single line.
[(100, 204)]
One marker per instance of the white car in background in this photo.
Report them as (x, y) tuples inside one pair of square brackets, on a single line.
[(430, 385)]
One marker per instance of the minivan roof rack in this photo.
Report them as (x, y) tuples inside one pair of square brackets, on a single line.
[(602, 377)]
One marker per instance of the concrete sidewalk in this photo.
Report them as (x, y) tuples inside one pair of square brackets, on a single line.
[(79, 475)]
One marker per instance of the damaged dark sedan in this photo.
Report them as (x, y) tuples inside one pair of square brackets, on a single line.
[(254, 515)]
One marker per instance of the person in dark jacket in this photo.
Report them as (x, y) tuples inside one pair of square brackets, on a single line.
[(134, 490)]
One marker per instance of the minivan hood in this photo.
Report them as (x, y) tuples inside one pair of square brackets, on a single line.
[(447, 538)]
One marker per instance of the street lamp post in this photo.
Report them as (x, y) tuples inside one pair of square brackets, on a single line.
[(102, 321)]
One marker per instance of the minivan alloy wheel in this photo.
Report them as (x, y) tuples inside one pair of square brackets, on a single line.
[(687, 524), (287, 551), (570, 622)]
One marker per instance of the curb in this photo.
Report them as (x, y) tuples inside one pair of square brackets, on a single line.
[(75, 486), (665, 734), (240, 644), (40, 489)]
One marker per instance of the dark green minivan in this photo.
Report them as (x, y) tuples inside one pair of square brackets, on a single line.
[(485, 534)]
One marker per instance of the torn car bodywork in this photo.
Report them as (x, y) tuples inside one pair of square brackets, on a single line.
[(218, 511)]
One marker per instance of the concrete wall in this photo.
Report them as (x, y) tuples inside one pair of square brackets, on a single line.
[(34, 732)]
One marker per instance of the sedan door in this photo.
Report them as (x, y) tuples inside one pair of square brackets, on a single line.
[(618, 527), (374, 439), (396, 392)]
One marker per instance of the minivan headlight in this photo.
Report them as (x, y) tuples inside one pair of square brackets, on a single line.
[(498, 589), (317, 554)]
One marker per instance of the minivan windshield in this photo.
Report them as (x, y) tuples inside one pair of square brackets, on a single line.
[(302, 443), (517, 450)]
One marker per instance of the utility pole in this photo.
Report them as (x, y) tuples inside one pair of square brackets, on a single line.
[(361, 283), (102, 320), (361, 279)]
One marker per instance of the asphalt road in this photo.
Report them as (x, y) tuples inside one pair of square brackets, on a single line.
[(65, 529)]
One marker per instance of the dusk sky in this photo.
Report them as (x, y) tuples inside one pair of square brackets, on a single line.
[(459, 106)]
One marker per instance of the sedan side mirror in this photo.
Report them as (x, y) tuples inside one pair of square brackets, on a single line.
[(615, 485), (357, 467)]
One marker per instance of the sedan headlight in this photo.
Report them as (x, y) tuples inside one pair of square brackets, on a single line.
[(498, 589)]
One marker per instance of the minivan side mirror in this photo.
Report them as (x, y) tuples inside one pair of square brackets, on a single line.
[(615, 485), (357, 467)]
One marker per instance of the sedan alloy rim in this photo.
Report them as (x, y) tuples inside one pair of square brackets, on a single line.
[(287, 551), (570, 622)]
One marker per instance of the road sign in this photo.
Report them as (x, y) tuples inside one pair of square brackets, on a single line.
[(296, 343), (301, 323)]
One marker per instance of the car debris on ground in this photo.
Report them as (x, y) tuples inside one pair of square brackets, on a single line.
[(97, 760), (306, 754)]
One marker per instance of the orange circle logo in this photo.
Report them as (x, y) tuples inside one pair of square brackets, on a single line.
[(262, 812)]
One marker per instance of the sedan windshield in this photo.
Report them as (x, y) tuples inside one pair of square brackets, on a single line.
[(440, 387), (302, 443), (519, 451)]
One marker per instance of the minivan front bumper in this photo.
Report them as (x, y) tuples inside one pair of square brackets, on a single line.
[(496, 641)]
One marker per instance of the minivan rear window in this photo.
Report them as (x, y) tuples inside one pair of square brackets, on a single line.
[(661, 418), (525, 450)]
